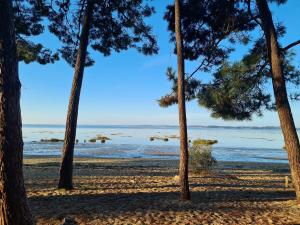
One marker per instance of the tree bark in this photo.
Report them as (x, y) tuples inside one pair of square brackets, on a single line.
[(282, 103), (183, 164), (66, 169), (14, 208)]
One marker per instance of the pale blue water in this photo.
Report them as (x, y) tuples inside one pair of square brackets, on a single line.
[(249, 144)]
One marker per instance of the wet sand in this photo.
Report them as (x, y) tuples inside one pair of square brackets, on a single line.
[(144, 191)]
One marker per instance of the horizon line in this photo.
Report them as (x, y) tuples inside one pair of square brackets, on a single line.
[(153, 125)]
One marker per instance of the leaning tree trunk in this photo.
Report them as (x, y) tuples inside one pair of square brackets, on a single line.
[(183, 164), (14, 209), (66, 169), (280, 93)]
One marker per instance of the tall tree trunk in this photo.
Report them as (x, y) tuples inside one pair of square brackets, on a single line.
[(14, 209), (280, 93), (183, 164), (66, 169)]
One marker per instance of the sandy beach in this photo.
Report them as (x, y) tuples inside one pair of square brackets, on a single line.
[(144, 191)]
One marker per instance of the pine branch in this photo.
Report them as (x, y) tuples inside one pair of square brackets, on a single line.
[(290, 45), (251, 14)]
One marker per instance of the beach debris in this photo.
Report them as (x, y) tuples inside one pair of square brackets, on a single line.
[(52, 140), (166, 139), (77, 141), (152, 138), (103, 141), (69, 221), (176, 178), (132, 181), (286, 183)]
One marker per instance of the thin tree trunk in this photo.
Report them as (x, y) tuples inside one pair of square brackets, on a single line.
[(14, 209), (66, 169), (280, 93), (183, 164)]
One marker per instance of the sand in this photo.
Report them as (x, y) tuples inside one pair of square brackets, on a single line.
[(139, 191)]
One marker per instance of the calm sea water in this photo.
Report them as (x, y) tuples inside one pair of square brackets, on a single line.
[(251, 144)]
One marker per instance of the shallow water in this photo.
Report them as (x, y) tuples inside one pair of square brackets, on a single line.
[(249, 144)]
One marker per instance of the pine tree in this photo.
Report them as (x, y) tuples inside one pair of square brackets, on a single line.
[(238, 90), (205, 26), (19, 20), (183, 163), (14, 207), (105, 26), (281, 97)]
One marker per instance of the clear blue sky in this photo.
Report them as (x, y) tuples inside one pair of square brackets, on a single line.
[(123, 88)]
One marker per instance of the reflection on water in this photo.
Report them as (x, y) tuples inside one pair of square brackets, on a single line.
[(234, 144)]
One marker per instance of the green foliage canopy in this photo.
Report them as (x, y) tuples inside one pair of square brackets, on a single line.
[(116, 25), (237, 89), (29, 16)]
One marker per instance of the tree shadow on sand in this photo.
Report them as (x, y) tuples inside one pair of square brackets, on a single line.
[(115, 204)]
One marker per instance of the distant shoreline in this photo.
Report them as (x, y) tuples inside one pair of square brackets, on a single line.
[(152, 126)]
